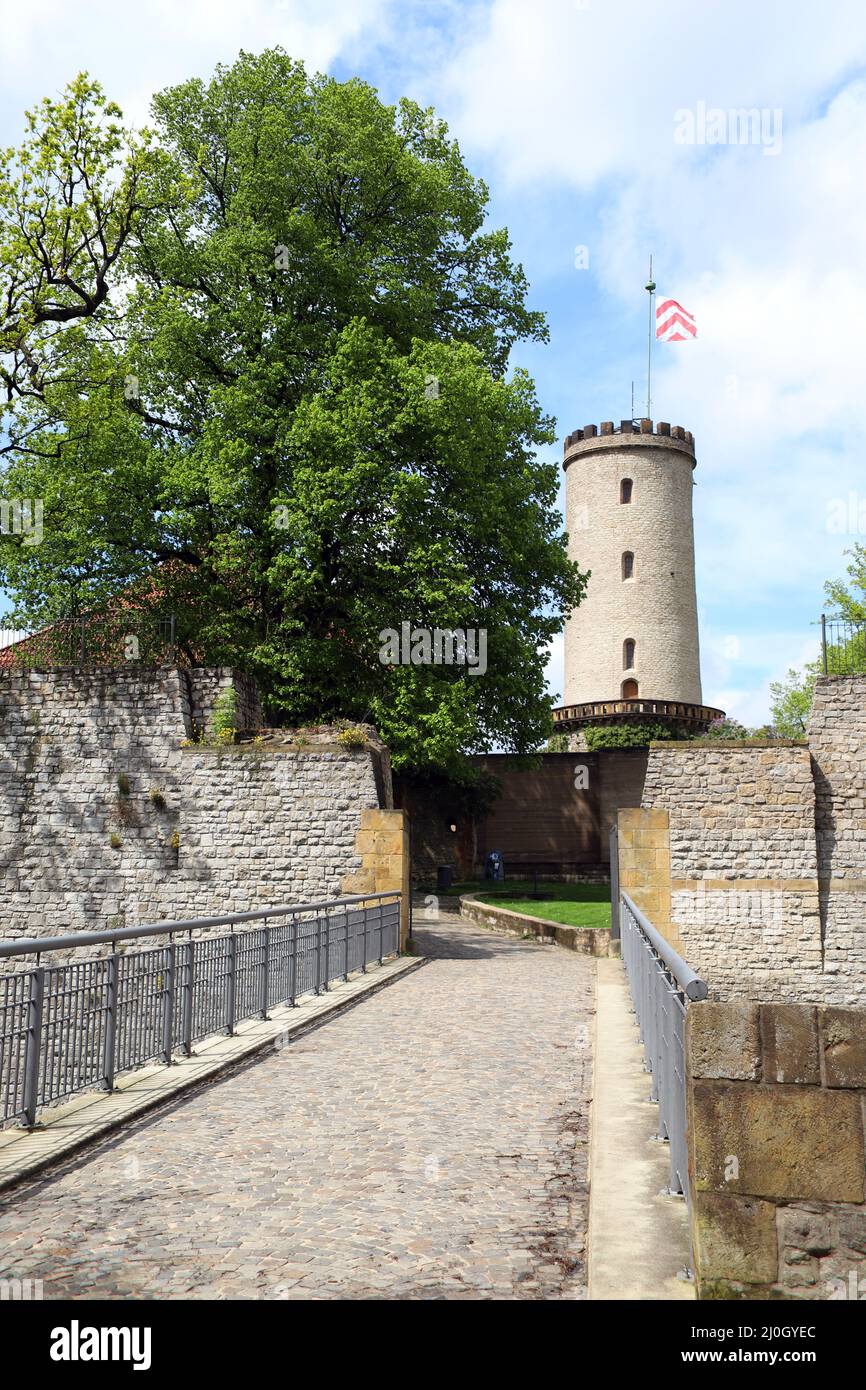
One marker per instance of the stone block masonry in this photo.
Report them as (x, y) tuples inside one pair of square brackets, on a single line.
[(837, 743), (382, 843), (765, 865), (644, 865), (741, 868), (776, 1107), (106, 818), (207, 683)]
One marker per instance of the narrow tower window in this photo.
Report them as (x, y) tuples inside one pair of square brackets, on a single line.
[(628, 565), (625, 490), (628, 654), (629, 690)]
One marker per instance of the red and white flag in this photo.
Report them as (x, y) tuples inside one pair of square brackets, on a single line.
[(674, 324)]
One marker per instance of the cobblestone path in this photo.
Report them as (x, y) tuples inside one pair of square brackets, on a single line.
[(430, 1143)]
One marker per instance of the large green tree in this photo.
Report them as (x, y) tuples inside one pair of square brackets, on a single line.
[(260, 353)]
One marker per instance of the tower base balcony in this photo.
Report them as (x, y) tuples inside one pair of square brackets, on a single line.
[(695, 717)]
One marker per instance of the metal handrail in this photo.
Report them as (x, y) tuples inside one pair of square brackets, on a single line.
[(36, 945), (688, 980), (69, 1027), (663, 987)]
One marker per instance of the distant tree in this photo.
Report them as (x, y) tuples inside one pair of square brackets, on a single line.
[(727, 729), (845, 604), (791, 701)]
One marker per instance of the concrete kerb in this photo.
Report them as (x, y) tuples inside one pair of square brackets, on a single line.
[(85, 1119), (589, 941), (638, 1240)]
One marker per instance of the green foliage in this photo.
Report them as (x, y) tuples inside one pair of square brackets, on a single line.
[(846, 648), (352, 738), (791, 701), (557, 743), (625, 735), (727, 729), (225, 715), (157, 799), (123, 784), (114, 840), (281, 388), (844, 603)]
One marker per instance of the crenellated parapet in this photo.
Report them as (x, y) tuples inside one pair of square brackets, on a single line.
[(630, 433)]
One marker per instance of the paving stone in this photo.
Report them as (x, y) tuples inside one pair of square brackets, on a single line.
[(430, 1143)]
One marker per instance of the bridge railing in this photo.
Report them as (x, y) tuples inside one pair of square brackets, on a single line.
[(662, 987), (75, 1026)]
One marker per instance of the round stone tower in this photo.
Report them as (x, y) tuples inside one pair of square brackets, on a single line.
[(631, 647)]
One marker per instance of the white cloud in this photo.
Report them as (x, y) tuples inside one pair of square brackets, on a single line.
[(767, 251), (586, 93), (137, 50)]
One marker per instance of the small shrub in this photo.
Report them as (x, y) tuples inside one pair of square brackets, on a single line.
[(225, 715), (352, 738), (626, 735), (157, 799), (175, 841), (727, 729), (114, 840), (123, 785)]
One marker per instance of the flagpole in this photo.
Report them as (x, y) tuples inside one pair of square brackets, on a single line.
[(650, 286)]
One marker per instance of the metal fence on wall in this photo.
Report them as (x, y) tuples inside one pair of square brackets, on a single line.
[(71, 1027), (110, 637), (662, 986), (843, 647)]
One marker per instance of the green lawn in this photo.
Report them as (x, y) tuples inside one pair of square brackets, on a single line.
[(571, 904)]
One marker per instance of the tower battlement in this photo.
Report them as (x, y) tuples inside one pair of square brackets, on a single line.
[(607, 434)]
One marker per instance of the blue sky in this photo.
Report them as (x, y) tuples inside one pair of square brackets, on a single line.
[(568, 109)]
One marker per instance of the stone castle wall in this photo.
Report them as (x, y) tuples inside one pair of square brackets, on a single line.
[(776, 1108), (107, 819), (837, 743), (554, 817), (743, 885), (762, 856), (207, 683)]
